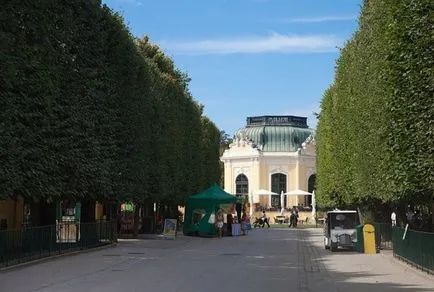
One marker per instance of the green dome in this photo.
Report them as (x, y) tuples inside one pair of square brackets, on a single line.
[(276, 133)]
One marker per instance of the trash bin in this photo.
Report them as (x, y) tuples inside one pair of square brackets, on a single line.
[(369, 239), (359, 243)]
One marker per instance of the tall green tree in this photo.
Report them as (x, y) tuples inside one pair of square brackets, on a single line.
[(88, 112), (375, 120)]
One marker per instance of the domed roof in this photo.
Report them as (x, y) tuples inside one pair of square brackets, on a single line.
[(276, 133)]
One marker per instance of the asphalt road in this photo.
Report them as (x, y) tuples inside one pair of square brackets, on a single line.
[(266, 260)]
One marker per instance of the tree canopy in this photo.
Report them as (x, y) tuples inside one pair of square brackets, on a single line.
[(375, 132), (88, 111)]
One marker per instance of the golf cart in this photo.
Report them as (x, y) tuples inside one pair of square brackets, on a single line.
[(340, 229)]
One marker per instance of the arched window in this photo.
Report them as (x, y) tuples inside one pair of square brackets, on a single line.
[(310, 188), (278, 184), (242, 185)]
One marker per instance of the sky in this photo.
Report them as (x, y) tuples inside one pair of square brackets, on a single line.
[(248, 57)]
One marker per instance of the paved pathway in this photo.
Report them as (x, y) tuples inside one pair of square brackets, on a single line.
[(265, 260), (349, 271)]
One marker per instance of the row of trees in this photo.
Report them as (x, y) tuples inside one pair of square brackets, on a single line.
[(376, 127), (91, 113)]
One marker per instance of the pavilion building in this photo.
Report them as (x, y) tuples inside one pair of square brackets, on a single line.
[(271, 155)]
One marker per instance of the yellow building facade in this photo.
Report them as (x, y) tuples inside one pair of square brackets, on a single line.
[(272, 155), (16, 214), (11, 213)]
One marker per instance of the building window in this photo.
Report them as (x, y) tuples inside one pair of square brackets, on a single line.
[(278, 184), (242, 185)]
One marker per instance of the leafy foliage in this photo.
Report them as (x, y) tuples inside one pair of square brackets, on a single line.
[(375, 131), (90, 112)]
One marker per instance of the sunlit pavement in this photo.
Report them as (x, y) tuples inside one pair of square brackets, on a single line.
[(265, 260)]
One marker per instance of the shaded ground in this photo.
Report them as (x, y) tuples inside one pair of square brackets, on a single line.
[(349, 271), (265, 260)]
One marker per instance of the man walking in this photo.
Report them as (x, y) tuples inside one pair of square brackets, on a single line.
[(265, 219)]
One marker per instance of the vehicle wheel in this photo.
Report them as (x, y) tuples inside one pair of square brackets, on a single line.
[(333, 247)]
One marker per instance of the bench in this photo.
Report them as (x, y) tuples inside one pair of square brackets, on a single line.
[(280, 219), (303, 221)]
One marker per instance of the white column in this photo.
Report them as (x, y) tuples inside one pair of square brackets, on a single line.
[(297, 175), (228, 175), (313, 204), (313, 208), (256, 174)]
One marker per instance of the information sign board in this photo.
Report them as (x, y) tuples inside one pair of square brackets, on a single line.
[(170, 226)]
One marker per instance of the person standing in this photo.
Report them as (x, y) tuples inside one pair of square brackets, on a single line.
[(244, 222), (293, 218), (219, 224), (393, 218), (409, 215), (265, 219)]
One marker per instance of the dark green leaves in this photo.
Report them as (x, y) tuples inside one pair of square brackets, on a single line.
[(88, 111), (375, 132)]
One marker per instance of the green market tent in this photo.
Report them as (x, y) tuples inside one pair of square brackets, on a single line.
[(200, 206)]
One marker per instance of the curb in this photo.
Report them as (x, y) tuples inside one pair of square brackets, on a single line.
[(54, 257), (149, 237)]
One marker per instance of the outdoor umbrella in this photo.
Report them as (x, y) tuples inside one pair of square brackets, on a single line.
[(262, 192), (298, 192), (282, 203), (313, 204)]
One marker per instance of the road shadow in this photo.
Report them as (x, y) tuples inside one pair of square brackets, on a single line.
[(325, 273)]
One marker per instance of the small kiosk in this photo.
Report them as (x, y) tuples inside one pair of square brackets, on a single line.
[(199, 207)]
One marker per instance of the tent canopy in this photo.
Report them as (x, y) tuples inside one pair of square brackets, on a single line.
[(214, 194), (199, 207)]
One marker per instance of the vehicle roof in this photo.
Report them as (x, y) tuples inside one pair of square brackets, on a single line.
[(342, 211)]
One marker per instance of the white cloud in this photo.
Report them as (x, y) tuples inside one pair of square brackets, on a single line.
[(274, 42), (317, 19)]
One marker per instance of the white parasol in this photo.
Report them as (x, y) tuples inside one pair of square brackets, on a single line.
[(298, 192), (262, 192), (282, 203), (313, 204)]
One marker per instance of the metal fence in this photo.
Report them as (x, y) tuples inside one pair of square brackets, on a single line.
[(416, 248), (383, 235), (28, 244)]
